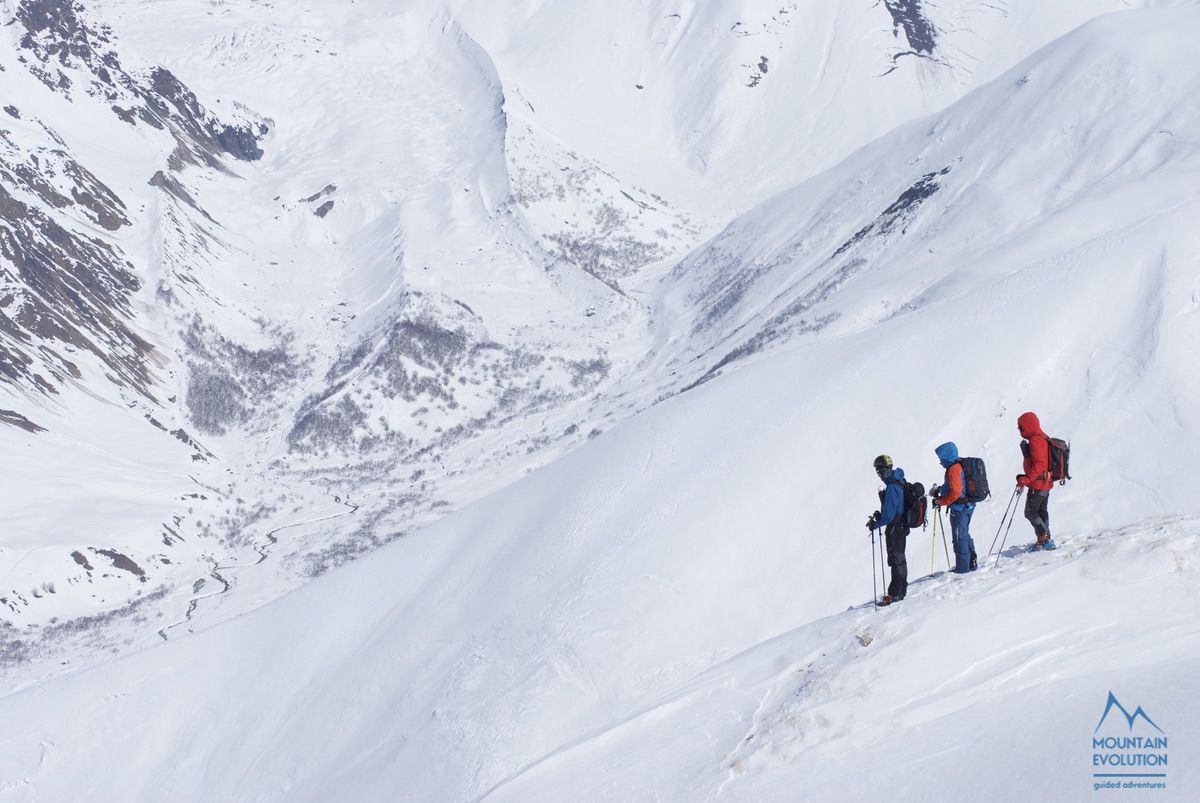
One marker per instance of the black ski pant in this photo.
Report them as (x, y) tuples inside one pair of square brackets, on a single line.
[(1037, 510), (896, 538)]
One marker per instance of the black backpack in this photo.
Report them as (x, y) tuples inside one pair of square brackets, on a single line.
[(914, 505), (1059, 460), (975, 483)]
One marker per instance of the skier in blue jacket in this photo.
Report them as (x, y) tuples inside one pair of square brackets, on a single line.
[(952, 495), (891, 518)]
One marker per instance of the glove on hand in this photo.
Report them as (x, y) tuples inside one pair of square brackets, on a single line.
[(873, 521)]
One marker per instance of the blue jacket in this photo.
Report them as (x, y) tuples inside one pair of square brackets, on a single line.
[(947, 455), (893, 497)]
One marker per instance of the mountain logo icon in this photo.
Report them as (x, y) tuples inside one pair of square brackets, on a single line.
[(1138, 713)]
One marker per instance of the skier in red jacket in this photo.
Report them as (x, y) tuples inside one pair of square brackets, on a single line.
[(1036, 478)]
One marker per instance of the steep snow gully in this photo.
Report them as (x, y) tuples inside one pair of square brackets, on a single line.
[(476, 400)]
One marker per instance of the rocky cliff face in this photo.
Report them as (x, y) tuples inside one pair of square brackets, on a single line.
[(68, 284)]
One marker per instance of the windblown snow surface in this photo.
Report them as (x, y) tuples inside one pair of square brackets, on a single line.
[(456, 401)]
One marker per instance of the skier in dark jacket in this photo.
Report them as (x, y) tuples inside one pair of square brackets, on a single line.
[(891, 517), (1036, 478), (951, 495)]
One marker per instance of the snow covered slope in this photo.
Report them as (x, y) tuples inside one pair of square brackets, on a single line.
[(886, 707), (97, 466), (358, 310), (577, 636), (363, 265), (727, 103), (659, 609)]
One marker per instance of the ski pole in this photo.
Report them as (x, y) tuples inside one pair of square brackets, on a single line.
[(1007, 507), (874, 588), (945, 548), (882, 579), (1011, 519), (932, 542), (1003, 516)]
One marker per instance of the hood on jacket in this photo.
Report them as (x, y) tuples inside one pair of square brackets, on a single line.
[(947, 453), (895, 475), (1028, 425)]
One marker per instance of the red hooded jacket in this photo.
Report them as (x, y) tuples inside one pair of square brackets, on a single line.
[(1037, 455)]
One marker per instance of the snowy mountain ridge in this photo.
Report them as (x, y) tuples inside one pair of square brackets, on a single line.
[(394, 382)]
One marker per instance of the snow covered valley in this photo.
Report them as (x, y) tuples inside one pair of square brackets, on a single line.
[(461, 400)]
